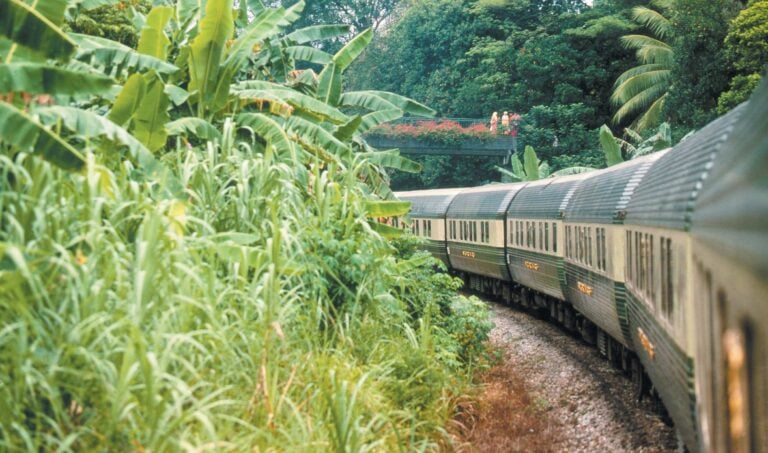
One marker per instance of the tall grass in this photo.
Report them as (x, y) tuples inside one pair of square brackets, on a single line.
[(262, 312)]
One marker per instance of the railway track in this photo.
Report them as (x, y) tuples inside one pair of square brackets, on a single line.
[(585, 404)]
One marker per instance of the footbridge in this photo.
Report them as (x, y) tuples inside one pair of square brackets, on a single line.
[(446, 136)]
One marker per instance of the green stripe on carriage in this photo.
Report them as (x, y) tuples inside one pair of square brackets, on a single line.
[(670, 368)]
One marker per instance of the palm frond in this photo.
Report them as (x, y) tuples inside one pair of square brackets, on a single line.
[(653, 20)]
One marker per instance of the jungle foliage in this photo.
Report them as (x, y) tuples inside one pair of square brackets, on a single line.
[(189, 251), (559, 64)]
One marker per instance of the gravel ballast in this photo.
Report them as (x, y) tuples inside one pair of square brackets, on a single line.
[(553, 392)]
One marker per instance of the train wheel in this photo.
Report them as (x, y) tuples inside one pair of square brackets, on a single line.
[(639, 383)]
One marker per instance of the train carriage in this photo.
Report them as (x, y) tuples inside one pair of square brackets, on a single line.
[(594, 264), (660, 306), (428, 209), (476, 230), (535, 234), (730, 275)]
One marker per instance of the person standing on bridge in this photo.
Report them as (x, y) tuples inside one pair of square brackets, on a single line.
[(494, 122), (505, 123)]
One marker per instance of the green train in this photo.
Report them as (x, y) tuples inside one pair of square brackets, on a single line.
[(661, 262)]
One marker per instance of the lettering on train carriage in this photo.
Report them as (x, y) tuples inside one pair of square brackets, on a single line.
[(468, 253), (531, 266), (646, 343), (584, 288)]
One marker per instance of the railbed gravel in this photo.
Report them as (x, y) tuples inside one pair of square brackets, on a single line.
[(589, 404)]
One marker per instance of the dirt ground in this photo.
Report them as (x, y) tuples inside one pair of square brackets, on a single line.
[(550, 392)]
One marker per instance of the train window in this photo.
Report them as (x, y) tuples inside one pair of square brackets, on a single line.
[(416, 227), (651, 273), (554, 237), (605, 259), (667, 304), (598, 250), (628, 257), (541, 237), (546, 236), (636, 280), (533, 234)]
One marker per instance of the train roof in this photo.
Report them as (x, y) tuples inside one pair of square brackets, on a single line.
[(545, 198), (666, 195), (485, 202), (428, 203), (731, 213), (604, 197)]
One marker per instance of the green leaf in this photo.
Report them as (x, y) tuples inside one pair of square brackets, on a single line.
[(313, 136), (149, 119), (375, 118), (31, 29), (265, 25), (267, 128), (309, 54), (365, 99), (188, 10), (329, 86), (301, 102), (386, 230), (153, 41), (35, 78), (53, 10), (317, 33), (392, 159), (353, 49), (383, 100), (611, 149), (207, 49), (348, 129), (116, 59), (21, 131), (510, 176), (89, 124), (177, 95), (531, 164), (128, 100), (194, 126), (517, 168)]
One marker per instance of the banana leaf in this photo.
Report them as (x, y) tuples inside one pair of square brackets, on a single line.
[(23, 132), (198, 127), (29, 28), (329, 86), (309, 54), (37, 78), (353, 49), (89, 124), (392, 159), (115, 57), (317, 33), (153, 41)]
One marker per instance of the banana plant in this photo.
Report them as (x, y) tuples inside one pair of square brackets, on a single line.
[(31, 72)]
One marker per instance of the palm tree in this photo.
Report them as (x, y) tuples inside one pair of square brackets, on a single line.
[(640, 92)]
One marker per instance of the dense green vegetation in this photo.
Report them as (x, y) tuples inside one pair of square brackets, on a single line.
[(189, 257), (563, 65)]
